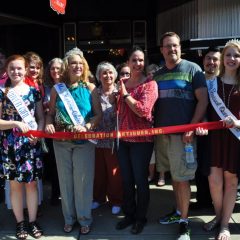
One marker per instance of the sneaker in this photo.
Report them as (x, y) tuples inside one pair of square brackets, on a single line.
[(170, 218), (116, 210), (95, 205), (184, 231)]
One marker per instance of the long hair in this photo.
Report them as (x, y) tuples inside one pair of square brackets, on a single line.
[(48, 81), (230, 44)]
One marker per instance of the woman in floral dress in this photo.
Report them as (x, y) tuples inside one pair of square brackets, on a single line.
[(21, 162)]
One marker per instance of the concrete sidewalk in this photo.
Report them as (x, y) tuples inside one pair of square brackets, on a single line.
[(103, 228)]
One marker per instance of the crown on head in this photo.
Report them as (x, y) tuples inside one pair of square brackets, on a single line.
[(234, 41), (74, 51)]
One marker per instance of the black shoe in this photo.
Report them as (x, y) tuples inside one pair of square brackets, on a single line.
[(137, 227), (124, 223)]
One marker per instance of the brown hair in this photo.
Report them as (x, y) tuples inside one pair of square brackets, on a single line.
[(168, 34), (48, 81), (34, 57)]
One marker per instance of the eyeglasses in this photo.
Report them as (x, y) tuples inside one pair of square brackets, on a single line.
[(124, 74), (170, 46)]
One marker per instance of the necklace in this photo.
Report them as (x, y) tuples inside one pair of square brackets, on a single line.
[(229, 95)]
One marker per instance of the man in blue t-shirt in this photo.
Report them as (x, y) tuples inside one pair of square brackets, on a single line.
[(183, 99)]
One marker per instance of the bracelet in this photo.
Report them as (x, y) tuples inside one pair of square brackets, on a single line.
[(126, 95)]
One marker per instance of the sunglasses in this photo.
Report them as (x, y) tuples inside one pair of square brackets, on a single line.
[(124, 74)]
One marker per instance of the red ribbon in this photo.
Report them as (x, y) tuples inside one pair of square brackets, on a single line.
[(125, 133)]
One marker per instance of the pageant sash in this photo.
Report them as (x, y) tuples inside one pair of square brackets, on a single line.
[(69, 104), (22, 109), (219, 105)]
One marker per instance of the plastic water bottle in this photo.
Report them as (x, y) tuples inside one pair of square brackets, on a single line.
[(190, 160)]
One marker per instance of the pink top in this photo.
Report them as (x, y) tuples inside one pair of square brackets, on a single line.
[(3, 79), (146, 95)]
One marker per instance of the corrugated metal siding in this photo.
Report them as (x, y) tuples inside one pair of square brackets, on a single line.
[(201, 19), (182, 20), (218, 18)]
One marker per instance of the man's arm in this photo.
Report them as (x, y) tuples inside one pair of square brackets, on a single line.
[(202, 102)]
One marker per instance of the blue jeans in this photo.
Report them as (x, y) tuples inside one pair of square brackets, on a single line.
[(134, 158)]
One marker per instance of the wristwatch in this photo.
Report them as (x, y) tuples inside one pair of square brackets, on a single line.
[(126, 95)]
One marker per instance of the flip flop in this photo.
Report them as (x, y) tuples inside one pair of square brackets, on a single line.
[(224, 234), (84, 230), (67, 228)]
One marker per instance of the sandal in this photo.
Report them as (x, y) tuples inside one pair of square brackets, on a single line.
[(67, 228), (224, 234), (161, 182), (85, 229), (22, 230), (34, 230), (209, 226)]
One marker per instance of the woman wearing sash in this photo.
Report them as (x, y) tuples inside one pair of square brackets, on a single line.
[(225, 152), (21, 161), (138, 95), (75, 107)]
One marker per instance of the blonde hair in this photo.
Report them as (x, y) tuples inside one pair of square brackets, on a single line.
[(68, 56), (230, 44)]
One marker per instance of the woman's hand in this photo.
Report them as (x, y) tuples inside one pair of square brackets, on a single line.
[(79, 128), (50, 128), (32, 140), (122, 90), (229, 122), (22, 126)]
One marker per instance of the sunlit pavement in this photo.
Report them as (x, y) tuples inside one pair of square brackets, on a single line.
[(103, 227)]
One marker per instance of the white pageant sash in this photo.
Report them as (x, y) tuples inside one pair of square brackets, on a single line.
[(22, 109), (219, 105), (69, 104)]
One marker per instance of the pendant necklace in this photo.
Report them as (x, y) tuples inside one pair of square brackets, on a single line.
[(229, 96)]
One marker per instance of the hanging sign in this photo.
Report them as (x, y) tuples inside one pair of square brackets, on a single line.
[(58, 6)]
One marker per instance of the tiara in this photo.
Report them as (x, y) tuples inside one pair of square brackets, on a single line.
[(74, 51), (234, 41)]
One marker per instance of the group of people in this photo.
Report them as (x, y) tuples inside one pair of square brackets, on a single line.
[(92, 172)]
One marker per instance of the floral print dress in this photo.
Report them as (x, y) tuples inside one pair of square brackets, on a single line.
[(20, 160)]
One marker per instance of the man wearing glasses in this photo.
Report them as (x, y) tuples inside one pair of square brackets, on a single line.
[(183, 99)]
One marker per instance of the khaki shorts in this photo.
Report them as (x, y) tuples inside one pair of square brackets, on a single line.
[(153, 158), (170, 156)]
